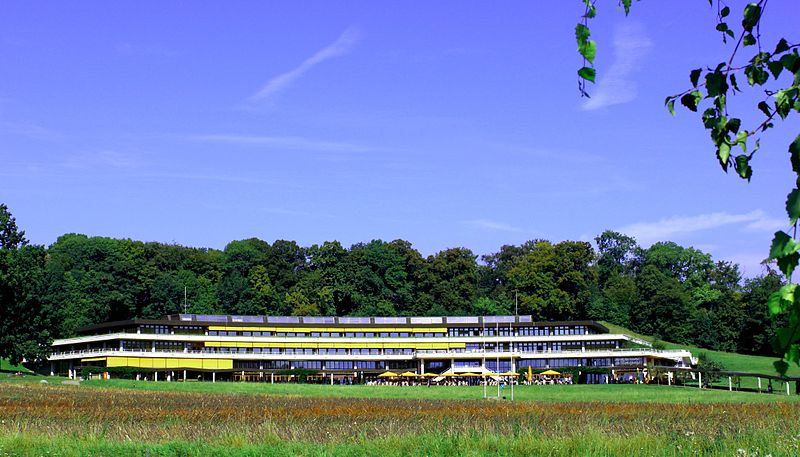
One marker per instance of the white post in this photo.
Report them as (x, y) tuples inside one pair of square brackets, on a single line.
[(730, 384), (184, 375), (155, 376), (787, 387), (331, 378), (759, 385), (699, 379), (669, 378), (272, 378), (213, 376)]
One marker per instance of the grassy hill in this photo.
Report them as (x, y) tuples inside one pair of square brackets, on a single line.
[(6, 366), (730, 360)]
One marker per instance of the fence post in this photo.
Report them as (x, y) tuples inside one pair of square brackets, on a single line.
[(730, 384)]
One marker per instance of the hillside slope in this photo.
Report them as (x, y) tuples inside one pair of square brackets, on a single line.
[(732, 361)]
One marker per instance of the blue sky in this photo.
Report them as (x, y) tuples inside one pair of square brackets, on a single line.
[(443, 123)]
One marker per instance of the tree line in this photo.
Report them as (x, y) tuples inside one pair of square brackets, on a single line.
[(673, 292)]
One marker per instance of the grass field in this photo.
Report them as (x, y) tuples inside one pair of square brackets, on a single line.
[(148, 418), (5, 366), (555, 393)]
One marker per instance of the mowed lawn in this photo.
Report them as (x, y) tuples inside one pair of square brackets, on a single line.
[(549, 393), (147, 418)]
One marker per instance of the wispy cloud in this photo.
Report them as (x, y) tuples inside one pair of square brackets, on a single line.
[(647, 233), (144, 50), (203, 177), (493, 225), (103, 159), (28, 130), (631, 45), (343, 45), (284, 142)]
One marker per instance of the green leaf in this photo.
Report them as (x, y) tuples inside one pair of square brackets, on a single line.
[(723, 154), (784, 100), (775, 303), (743, 167), (733, 125), (756, 75), (741, 140), (775, 67), (788, 263), (794, 150), (581, 33), (716, 84), (725, 12), (782, 245), (591, 10), (781, 367), (793, 354), (793, 205), (671, 106), (752, 14), (691, 100), (734, 84), (627, 5), (789, 61), (764, 108), (587, 73), (749, 40), (588, 49), (694, 76), (782, 46)]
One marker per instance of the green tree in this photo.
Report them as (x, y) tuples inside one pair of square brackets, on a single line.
[(299, 304), (24, 327)]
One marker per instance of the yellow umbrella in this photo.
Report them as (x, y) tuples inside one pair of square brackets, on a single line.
[(388, 374), (508, 373), (550, 373), (430, 375), (468, 374), (409, 374)]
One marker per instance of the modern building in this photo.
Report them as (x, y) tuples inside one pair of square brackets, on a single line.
[(215, 347)]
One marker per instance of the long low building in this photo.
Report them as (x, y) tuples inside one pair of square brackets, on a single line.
[(217, 347)]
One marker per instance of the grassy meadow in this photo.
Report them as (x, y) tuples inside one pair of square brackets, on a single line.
[(147, 418)]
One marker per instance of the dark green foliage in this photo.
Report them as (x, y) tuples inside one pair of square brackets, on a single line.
[(24, 321), (675, 292)]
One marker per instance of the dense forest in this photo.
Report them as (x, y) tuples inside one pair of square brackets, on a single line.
[(667, 290)]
